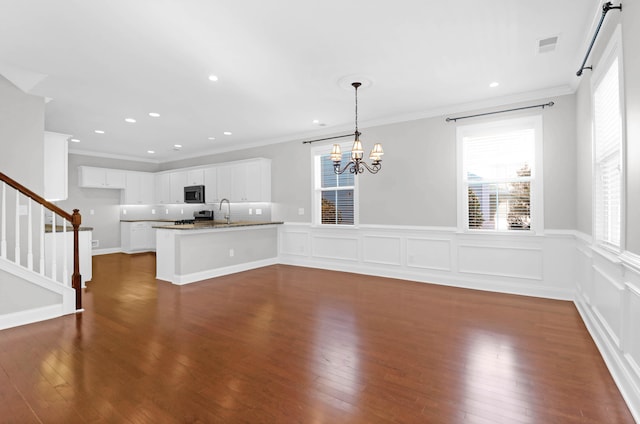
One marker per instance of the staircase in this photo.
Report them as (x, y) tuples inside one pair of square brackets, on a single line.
[(34, 283)]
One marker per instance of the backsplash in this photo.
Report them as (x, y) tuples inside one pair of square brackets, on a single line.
[(239, 211)]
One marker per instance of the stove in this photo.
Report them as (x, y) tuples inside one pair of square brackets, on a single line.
[(198, 216), (184, 221)]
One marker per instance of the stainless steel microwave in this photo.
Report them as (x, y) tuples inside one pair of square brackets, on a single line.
[(194, 194)]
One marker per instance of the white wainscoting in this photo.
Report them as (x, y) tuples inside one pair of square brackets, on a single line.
[(608, 299), (559, 265), (511, 263)]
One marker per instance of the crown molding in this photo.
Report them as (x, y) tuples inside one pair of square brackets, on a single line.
[(111, 156)]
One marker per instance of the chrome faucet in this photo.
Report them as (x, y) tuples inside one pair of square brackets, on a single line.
[(228, 215)]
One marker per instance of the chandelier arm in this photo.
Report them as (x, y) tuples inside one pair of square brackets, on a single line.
[(374, 168), (337, 170)]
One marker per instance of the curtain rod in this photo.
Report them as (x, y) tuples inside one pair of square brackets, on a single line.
[(501, 111), (605, 8), (328, 138)]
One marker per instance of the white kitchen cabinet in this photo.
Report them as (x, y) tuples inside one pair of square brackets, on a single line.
[(251, 181), (178, 181), (224, 182), (56, 171), (139, 188), (195, 177), (211, 185), (163, 188), (139, 236), (89, 176)]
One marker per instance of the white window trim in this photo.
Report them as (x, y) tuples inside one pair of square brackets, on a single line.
[(316, 220), (537, 183), (612, 51)]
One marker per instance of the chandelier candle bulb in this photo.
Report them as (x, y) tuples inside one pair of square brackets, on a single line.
[(336, 153)]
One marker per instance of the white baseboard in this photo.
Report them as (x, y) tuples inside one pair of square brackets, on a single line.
[(30, 316), (218, 272), (612, 358), (108, 251), (474, 283)]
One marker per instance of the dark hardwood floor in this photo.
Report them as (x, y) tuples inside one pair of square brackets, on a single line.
[(284, 344)]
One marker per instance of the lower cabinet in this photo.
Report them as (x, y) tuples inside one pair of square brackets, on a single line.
[(138, 236)]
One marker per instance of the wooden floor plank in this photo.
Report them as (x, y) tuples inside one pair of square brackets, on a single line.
[(285, 344)]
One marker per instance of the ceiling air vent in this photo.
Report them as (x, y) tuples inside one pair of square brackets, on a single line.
[(546, 45)]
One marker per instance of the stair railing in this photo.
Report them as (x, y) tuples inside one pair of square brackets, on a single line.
[(74, 219)]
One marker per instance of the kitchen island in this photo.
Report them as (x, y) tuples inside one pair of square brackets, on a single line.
[(186, 253)]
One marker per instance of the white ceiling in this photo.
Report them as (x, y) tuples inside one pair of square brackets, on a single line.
[(279, 64)]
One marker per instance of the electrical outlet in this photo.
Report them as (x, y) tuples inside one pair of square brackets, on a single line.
[(166, 211), (153, 211), (300, 211), (124, 211), (181, 211), (258, 211), (231, 253), (95, 243), (250, 211), (92, 212)]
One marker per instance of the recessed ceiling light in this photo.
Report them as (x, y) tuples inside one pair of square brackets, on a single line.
[(494, 84), (316, 121), (151, 151), (154, 114), (227, 133), (211, 138), (213, 78), (177, 146), (75, 140), (99, 132), (130, 120)]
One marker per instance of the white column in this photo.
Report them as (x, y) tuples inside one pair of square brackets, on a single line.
[(17, 240), (3, 230), (29, 236), (42, 230)]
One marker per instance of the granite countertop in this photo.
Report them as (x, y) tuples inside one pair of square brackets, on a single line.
[(47, 228), (207, 225), (147, 220)]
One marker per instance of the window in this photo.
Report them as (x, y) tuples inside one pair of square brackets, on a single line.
[(334, 195), (607, 136), (500, 181)]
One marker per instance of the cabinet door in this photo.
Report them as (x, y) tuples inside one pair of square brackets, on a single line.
[(163, 188), (178, 183), (224, 182), (131, 192), (147, 188), (89, 176), (239, 183), (255, 182), (115, 178), (195, 177), (211, 185)]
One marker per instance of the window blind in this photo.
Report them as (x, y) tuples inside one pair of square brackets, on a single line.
[(607, 156), (498, 171)]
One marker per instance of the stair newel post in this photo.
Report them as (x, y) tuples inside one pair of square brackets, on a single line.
[(76, 279)]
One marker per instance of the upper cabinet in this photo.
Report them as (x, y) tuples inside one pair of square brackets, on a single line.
[(211, 185), (242, 181), (195, 177), (251, 181), (56, 172), (139, 188), (89, 176)]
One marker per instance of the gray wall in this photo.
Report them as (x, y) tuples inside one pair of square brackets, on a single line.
[(22, 136), (631, 46), (417, 185), (104, 202), (18, 295)]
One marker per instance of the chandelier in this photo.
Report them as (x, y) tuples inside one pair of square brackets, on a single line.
[(356, 165)]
